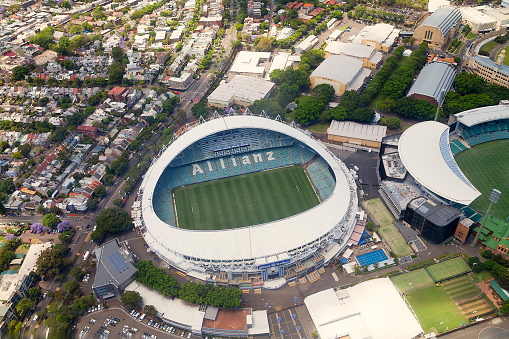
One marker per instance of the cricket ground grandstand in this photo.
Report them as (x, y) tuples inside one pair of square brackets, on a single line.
[(246, 200)]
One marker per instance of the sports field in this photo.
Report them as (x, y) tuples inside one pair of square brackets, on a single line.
[(485, 165), (433, 306), (244, 200), (395, 240), (467, 297), (412, 281), (379, 212), (447, 269)]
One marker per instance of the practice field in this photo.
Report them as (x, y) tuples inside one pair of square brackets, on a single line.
[(395, 240), (412, 281), (379, 212), (468, 298), (244, 200), (447, 269), (485, 165), (433, 306)]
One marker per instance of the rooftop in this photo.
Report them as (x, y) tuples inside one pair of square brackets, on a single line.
[(357, 130), (242, 87), (444, 18), (339, 68), (112, 267), (433, 79), (487, 62), (247, 62), (355, 50), (378, 33), (476, 116), (425, 153)]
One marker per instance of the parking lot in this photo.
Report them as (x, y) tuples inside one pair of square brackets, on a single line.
[(286, 324)]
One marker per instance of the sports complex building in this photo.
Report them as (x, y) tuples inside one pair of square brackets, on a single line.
[(427, 152), (246, 200)]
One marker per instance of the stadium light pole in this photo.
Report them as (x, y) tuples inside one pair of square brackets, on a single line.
[(494, 196), (439, 103)]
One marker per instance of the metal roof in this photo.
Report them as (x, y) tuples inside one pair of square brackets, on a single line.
[(425, 153), (350, 49), (112, 267), (356, 130), (487, 62), (444, 18), (476, 116), (265, 243), (434, 78), (241, 87), (339, 68)]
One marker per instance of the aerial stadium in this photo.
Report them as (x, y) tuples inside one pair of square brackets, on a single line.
[(246, 200)]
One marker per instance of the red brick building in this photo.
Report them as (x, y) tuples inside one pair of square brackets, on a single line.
[(118, 94), (88, 131)]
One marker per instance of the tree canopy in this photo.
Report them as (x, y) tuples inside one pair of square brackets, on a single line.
[(111, 221), (52, 261), (271, 108), (50, 220), (131, 299)]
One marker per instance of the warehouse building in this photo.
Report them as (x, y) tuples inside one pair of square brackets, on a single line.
[(355, 134), (491, 71), (379, 36), (341, 72), (306, 45), (435, 78), (114, 271), (369, 55), (478, 21), (241, 90), (248, 63), (439, 27)]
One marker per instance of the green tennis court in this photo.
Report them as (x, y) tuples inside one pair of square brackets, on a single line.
[(395, 240), (379, 212), (244, 200), (447, 269), (412, 281)]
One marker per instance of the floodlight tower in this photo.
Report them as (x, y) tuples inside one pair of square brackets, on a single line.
[(494, 196), (441, 99)]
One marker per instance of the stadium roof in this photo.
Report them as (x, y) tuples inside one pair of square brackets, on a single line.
[(339, 68), (483, 114), (444, 18), (243, 87), (356, 130), (371, 309), (112, 267), (265, 243), (487, 62), (425, 153), (434, 78)]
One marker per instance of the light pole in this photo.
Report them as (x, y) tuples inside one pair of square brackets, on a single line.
[(439, 327), (494, 196), (439, 103), (473, 268)]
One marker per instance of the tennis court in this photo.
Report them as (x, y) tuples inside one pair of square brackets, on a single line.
[(412, 281), (379, 212), (447, 269), (395, 240), (371, 258), (467, 296)]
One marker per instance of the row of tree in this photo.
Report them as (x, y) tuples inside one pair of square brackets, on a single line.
[(159, 280)]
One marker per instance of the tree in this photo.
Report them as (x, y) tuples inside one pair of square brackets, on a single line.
[(323, 92), (117, 202), (34, 293), (77, 273), (200, 109), (117, 54), (131, 299), (17, 155), (113, 220), (13, 9), (76, 119), (7, 186), (65, 4), (19, 73), (92, 203), (270, 107), (150, 311), (50, 220), (156, 278), (264, 45), (23, 306), (116, 73), (64, 226), (100, 191), (309, 110), (51, 261), (363, 115), (350, 100), (170, 104), (391, 122)]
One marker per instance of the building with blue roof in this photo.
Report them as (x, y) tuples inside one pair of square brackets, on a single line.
[(439, 27), (491, 71), (432, 80)]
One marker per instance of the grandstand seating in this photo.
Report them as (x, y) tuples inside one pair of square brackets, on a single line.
[(485, 137), (481, 133), (473, 141), (454, 149), (235, 165), (321, 177), (501, 135)]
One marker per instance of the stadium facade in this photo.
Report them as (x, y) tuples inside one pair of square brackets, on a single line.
[(267, 254)]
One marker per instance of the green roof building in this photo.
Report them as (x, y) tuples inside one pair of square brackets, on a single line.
[(494, 236)]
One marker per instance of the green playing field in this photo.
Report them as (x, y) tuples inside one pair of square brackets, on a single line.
[(485, 166), (244, 200)]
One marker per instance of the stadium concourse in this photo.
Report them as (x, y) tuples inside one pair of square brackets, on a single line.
[(253, 253)]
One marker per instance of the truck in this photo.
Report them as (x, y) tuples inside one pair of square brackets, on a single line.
[(86, 255)]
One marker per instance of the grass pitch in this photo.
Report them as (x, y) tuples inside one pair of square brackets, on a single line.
[(395, 240), (244, 200), (379, 212), (447, 269), (485, 165), (433, 306), (412, 281)]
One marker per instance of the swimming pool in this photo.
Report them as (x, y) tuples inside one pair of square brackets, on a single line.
[(372, 257)]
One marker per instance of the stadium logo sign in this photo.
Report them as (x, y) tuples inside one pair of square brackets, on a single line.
[(246, 160)]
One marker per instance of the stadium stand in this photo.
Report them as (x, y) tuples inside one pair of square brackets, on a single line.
[(481, 133), (267, 150)]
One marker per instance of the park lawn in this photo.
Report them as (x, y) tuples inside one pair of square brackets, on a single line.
[(244, 200), (488, 47), (459, 48), (485, 165), (318, 127), (471, 35), (483, 276), (432, 306)]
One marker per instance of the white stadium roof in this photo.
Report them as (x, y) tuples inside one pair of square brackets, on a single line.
[(265, 243), (372, 309), (483, 114), (425, 153)]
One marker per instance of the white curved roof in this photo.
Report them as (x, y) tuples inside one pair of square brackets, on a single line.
[(265, 240), (476, 116), (425, 153)]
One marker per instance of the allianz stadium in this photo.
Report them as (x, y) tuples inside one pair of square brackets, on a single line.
[(268, 253)]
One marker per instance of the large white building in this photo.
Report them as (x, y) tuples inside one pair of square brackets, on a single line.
[(369, 55), (241, 90), (372, 309), (477, 20), (381, 36), (248, 63), (306, 45)]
